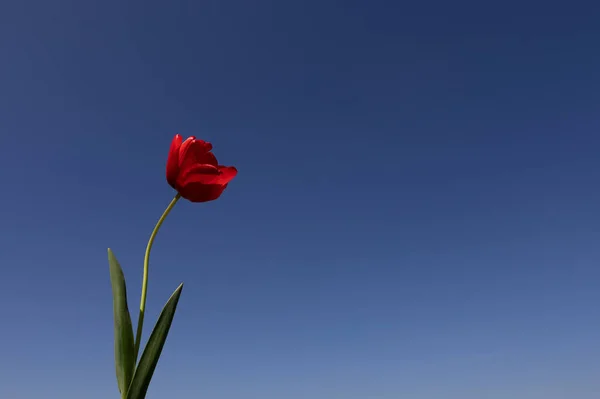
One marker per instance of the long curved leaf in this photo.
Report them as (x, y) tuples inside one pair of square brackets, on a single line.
[(149, 359), (124, 361)]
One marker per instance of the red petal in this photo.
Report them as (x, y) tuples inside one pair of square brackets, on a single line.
[(192, 147), (207, 158), (205, 174), (196, 152), (226, 174), (199, 192), (173, 160), (184, 149)]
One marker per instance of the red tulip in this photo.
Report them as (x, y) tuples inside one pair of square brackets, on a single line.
[(194, 172)]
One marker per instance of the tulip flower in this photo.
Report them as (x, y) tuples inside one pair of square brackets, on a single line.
[(192, 170)]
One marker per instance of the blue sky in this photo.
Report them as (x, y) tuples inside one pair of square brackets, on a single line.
[(416, 213)]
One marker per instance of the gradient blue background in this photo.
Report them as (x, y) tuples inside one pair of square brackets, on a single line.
[(416, 213)]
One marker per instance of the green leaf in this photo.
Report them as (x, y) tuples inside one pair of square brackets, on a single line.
[(149, 359), (124, 361)]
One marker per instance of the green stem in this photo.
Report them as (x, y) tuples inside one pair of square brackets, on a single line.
[(140, 324)]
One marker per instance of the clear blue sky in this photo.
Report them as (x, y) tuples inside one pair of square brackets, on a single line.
[(416, 214)]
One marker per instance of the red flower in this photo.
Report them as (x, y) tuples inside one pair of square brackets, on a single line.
[(194, 172)]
